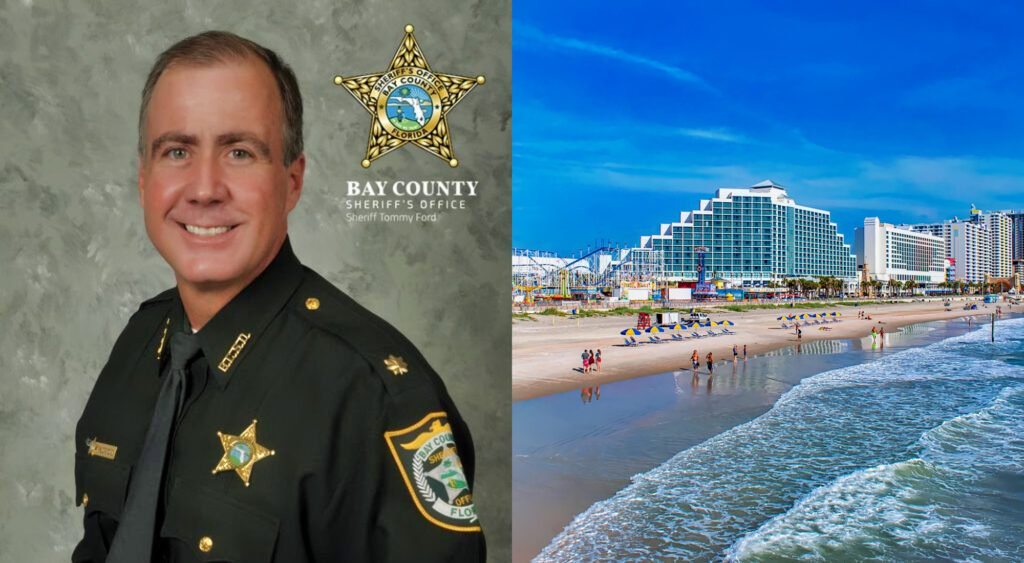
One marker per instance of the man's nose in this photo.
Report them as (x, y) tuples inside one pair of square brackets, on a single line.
[(207, 184)]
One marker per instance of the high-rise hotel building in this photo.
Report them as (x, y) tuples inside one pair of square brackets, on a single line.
[(754, 234), (967, 243), (1017, 233), (1000, 229), (888, 253)]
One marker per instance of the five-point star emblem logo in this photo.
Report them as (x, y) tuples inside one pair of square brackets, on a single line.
[(409, 103), (241, 452)]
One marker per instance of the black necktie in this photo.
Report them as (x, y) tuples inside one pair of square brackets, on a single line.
[(133, 542)]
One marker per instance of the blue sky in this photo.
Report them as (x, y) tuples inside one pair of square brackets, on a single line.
[(625, 116)]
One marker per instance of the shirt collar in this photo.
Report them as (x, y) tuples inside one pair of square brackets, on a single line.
[(236, 328)]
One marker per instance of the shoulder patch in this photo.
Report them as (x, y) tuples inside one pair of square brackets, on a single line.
[(430, 466), (391, 356)]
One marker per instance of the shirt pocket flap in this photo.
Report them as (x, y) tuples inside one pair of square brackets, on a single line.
[(100, 485), (215, 527)]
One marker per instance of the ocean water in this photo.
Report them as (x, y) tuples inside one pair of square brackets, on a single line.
[(915, 456)]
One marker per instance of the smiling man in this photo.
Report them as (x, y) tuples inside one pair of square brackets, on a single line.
[(254, 412)]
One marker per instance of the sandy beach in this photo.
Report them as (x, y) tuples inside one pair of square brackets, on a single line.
[(546, 352), (569, 453)]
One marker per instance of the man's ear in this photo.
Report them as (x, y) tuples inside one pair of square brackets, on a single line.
[(142, 183), (296, 173)]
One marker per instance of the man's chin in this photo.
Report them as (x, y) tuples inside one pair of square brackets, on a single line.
[(206, 279)]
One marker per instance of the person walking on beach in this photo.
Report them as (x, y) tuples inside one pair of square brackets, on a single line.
[(711, 365), (735, 354), (586, 360), (593, 362), (799, 334), (598, 357), (695, 360), (744, 352)]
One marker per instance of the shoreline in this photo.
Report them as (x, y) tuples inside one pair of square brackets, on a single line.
[(559, 467), (546, 352)]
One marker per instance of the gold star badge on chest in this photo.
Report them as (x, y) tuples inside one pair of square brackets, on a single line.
[(409, 103), (241, 452)]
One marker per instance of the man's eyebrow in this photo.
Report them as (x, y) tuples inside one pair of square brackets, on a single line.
[(172, 137), (242, 137)]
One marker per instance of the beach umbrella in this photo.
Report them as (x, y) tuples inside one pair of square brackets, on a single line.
[(693, 325), (780, 318), (655, 329), (712, 323), (728, 323), (677, 326), (632, 332), (834, 314)]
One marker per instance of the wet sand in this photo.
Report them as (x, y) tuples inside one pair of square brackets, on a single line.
[(568, 454), (546, 352)]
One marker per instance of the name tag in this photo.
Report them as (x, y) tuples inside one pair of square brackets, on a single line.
[(97, 448)]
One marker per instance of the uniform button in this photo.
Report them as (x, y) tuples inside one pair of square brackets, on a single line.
[(312, 303), (85, 500), (205, 544)]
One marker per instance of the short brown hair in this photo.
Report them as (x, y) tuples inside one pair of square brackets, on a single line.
[(213, 47)]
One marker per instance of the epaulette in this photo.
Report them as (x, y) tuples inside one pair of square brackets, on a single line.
[(390, 354)]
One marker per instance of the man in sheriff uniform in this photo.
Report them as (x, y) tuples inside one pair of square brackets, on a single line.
[(255, 413)]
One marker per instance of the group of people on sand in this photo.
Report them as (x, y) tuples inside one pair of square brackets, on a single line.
[(591, 361), (863, 315), (710, 359)]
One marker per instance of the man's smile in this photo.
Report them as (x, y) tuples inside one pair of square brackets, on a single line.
[(207, 231)]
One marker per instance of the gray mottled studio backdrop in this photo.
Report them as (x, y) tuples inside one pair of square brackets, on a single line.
[(75, 261)]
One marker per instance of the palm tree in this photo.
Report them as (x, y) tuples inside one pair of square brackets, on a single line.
[(894, 285), (791, 284), (865, 288), (910, 284), (828, 283), (837, 283)]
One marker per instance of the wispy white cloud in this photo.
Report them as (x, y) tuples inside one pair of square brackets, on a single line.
[(539, 37), (723, 135)]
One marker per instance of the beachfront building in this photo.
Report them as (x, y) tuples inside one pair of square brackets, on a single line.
[(1016, 233), (752, 235), (886, 252), (967, 243), (1000, 229)]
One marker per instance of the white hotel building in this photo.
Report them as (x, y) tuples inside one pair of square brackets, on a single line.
[(1000, 229), (752, 236), (888, 253), (968, 244)]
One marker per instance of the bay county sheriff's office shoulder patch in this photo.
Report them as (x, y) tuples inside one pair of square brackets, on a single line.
[(426, 458)]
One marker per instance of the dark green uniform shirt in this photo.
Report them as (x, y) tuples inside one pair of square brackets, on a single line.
[(312, 431)]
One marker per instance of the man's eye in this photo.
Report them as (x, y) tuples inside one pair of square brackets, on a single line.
[(177, 154), (239, 154)]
